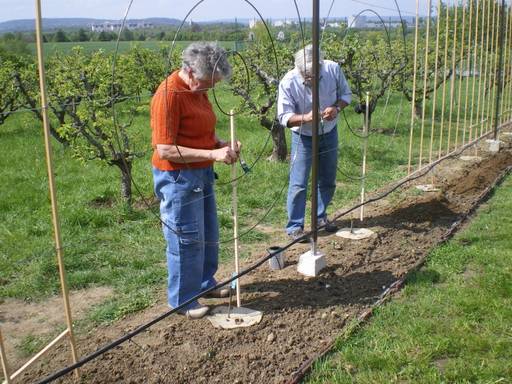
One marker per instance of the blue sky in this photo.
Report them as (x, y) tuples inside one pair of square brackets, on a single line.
[(207, 10)]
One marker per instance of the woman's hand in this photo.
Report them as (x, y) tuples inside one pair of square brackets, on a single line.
[(226, 154)]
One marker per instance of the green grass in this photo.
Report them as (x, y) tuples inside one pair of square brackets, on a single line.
[(452, 322)]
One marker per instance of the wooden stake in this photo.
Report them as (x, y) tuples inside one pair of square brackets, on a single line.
[(413, 109), (425, 83), (235, 205), (482, 120), (365, 149), (497, 80), (39, 354), (461, 70), (3, 358), (453, 77), (475, 56), (436, 71), (505, 58), (470, 40), (443, 102), (51, 182)]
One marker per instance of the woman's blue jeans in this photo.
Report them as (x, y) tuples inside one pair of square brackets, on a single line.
[(189, 214), (300, 167)]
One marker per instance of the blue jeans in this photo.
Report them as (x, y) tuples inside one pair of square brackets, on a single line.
[(300, 167), (188, 209)]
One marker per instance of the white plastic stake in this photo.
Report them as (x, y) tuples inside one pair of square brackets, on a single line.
[(235, 206), (365, 148)]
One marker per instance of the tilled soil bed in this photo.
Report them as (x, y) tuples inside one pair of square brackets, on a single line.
[(301, 315)]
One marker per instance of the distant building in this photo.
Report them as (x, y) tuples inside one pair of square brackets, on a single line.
[(363, 21), (114, 26), (357, 21)]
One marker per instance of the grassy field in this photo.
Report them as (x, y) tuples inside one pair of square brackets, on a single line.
[(452, 322)]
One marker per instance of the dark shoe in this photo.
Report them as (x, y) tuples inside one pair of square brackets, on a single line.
[(218, 293), (327, 225), (298, 233), (195, 313)]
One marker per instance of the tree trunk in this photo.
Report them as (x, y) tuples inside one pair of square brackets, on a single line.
[(418, 110), (279, 148), (126, 179)]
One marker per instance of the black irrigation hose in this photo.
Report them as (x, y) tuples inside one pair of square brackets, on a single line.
[(258, 263)]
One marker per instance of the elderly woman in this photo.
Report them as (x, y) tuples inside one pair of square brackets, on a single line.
[(185, 148)]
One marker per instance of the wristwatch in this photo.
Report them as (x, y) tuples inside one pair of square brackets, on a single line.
[(338, 108)]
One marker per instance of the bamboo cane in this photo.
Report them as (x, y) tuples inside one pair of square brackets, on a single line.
[(443, 102), (235, 206), (425, 83), (414, 87), (478, 121), (453, 77), (505, 58), (473, 86), (482, 120), (40, 353), (436, 75), (3, 358), (470, 40), (487, 102), (461, 66), (51, 182), (365, 149), (509, 64), (496, 83)]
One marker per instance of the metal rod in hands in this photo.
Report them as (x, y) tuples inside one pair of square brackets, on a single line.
[(235, 206)]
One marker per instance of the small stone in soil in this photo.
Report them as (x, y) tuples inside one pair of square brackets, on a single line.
[(271, 337)]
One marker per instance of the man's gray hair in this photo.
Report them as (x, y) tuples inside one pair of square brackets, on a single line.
[(205, 58), (304, 59)]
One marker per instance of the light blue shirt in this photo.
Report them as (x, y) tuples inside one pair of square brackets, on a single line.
[(296, 98)]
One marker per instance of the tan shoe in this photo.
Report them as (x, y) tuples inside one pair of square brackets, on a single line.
[(195, 313), (218, 293)]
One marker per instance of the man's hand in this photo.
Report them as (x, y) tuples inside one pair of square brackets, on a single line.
[(330, 113)]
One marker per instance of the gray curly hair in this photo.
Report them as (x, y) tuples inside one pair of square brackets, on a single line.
[(304, 59), (205, 58)]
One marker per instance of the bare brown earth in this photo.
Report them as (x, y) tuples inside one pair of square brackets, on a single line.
[(300, 315)]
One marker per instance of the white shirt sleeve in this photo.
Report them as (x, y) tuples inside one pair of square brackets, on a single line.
[(285, 103), (343, 89)]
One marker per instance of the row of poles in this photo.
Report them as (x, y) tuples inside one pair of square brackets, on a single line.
[(476, 52)]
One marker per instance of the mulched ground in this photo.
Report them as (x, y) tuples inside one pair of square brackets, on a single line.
[(301, 315)]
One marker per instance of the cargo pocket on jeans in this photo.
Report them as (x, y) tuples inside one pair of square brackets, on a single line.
[(188, 234)]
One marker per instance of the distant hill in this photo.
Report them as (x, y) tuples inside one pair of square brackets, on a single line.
[(25, 25)]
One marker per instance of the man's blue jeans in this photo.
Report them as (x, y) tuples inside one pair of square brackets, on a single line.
[(189, 214), (300, 167)]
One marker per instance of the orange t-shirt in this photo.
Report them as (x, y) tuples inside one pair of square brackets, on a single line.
[(181, 117)]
